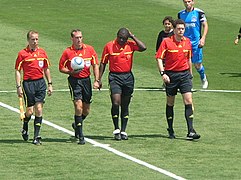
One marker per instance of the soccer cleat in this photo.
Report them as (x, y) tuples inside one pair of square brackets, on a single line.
[(24, 134), (37, 141), (204, 83), (193, 135), (117, 135), (124, 136), (75, 132), (171, 133), (193, 90), (81, 141)]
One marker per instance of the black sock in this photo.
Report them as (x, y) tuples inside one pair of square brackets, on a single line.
[(79, 125), (124, 121), (83, 117), (37, 126), (169, 116), (189, 117), (125, 101), (25, 122), (115, 116)]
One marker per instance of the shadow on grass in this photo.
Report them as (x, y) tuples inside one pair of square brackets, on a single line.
[(19, 141), (72, 139), (151, 88), (143, 136), (138, 136), (232, 74), (12, 141)]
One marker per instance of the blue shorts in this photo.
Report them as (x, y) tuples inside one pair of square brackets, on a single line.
[(197, 55)]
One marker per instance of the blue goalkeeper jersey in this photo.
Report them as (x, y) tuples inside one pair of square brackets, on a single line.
[(193, 21)]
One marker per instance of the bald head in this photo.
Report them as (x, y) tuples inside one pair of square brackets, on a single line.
[(123, 32), (122, 36)]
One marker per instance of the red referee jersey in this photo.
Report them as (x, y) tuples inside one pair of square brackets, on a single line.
[(176, 54), (120, 58), (32, 63), (87, 53)]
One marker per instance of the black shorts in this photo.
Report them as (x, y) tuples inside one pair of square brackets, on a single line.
[(121, 83), (34, 91), (178, 80), (80, 88)]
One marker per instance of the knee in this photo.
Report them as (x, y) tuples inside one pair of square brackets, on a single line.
[(116, 99), (198, 66), (115, 103), (29, 112), (188, 101), (38, 111), (78, 106), (170, 101), (85, 112)]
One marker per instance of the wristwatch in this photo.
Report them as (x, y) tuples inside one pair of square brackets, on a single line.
[(162, 73)]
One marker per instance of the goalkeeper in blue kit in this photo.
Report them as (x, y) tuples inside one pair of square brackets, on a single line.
[(196, 30)]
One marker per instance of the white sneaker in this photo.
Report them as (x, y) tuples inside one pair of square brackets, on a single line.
[(116, 131), (204, 83), (124, 136), (117, 135)]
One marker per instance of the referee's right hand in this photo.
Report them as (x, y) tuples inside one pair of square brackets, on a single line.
[(20, 91), (166, 78)]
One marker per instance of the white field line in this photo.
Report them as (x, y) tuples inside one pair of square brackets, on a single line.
[(143, 89), (104, 146)]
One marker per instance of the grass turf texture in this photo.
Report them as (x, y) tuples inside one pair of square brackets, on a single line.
[(215, 156)]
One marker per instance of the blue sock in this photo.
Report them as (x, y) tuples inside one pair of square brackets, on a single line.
[(201, 72)]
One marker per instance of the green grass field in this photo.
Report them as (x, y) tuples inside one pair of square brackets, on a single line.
[(217, 114)]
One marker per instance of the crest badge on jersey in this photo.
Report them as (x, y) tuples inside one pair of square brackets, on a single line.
[(194, 19), (41, 64), (128, 57), (87, 63)]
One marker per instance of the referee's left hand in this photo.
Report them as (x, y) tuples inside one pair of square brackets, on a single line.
[(201, 43)]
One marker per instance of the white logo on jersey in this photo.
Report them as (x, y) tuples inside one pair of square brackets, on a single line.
[(192, 25), (41, 64), (87, 63), (194, 19)]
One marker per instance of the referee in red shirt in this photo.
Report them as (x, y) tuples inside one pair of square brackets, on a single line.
[(119, 54), (79, 82), (177, 52), (34, 63)]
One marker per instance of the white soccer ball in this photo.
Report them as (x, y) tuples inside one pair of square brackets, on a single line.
[(77, 63)]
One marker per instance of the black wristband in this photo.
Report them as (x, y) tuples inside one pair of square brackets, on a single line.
[(18, 86), (50, 83), (162, 73), (239, 36)]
